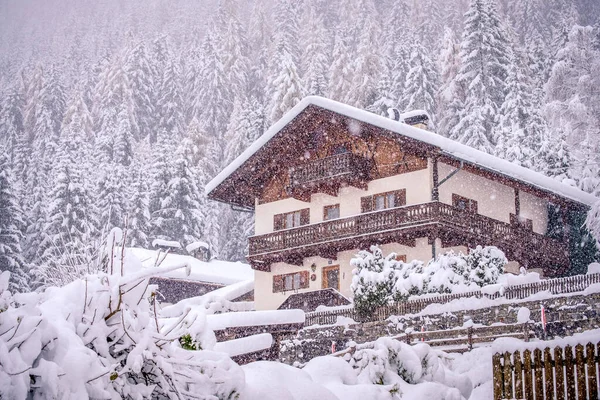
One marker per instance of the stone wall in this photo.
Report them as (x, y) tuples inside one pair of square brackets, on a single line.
[(565, 315)]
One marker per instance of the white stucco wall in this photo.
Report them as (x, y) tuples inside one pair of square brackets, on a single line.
[(536, 209), (416, 183), (494, 199), (265, 299)]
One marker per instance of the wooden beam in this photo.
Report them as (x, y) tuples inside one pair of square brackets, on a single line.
[(435, 193)]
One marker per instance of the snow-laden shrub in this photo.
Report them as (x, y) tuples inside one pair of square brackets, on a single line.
[(102, 337), (379, 280), (392, 362), (485, 265), (373, 279), (442, 275)]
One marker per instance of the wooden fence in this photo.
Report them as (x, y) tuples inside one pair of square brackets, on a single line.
[(456, 340), (569, 284), (549, 374)]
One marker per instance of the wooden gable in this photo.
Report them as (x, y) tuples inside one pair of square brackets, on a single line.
[(313, 135)]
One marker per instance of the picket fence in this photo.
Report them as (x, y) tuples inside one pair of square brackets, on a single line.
[(558, 373), (571, 284)]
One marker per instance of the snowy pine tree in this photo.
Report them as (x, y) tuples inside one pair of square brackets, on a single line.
[(315, 60), (521, 127), (482, 74), (421, 83), (69, 227), (179, 217), (449, 61), (140, 75), (11, 230), (139, 226), (286, 89), (111, 203), (340, 71)]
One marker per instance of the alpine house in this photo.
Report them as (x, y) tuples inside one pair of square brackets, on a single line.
[(328, 180)]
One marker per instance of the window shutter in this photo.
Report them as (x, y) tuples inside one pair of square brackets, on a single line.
[(278, 222), (304, 279), (473, 206), (400, 198), (366, 204), (305, 216), (277, 283)]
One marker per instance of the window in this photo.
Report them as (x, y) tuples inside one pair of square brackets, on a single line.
[(293, 281), (383, 201), (291, 219), (522, 222), (331, 212), (464, 203)]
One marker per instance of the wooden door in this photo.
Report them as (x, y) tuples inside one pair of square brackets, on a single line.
[(331, 277)]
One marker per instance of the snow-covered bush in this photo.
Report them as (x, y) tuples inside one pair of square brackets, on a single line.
[(373, 279), (485, 265), (392, 362), (102, 337), (379, 280)]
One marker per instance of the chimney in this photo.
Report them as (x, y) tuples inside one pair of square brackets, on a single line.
[(416, 118), (394, 114)]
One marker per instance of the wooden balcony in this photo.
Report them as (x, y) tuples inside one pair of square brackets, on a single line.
[(328, 174), (453, 226)]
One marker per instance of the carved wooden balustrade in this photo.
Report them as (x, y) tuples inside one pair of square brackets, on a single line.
[(442, 216), (339, 165)]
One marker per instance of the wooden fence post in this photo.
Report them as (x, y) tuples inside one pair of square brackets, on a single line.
[(539, 374), (559, 372), (591, 367), (580, 367), (508, 390), (528, 376), (570, 373), (470, 338), (518, 375), (498, 381), (548, 373)]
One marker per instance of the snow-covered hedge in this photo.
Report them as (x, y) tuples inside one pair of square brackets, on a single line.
[(392, 362), (379, 280)]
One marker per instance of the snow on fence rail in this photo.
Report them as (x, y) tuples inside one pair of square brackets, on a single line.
[(569, 284), (456, 340), (557, 374)]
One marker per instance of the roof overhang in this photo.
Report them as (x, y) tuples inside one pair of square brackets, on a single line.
[(223, 186)]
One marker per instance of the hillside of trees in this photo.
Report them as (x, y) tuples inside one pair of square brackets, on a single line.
[(117, 113)]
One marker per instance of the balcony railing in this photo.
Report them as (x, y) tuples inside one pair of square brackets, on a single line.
[(345, 164), (490, 231)]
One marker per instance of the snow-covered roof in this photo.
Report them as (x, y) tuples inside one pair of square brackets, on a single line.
[(214, 271), (447, 146), (196, 245), (166, 243), (413, 113)]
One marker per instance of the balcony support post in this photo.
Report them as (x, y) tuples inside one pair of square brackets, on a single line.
[(435, 193)]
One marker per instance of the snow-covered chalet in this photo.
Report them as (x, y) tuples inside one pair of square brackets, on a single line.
[(329, 179)]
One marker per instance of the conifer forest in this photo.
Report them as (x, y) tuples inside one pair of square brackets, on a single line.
[(116, 113)]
